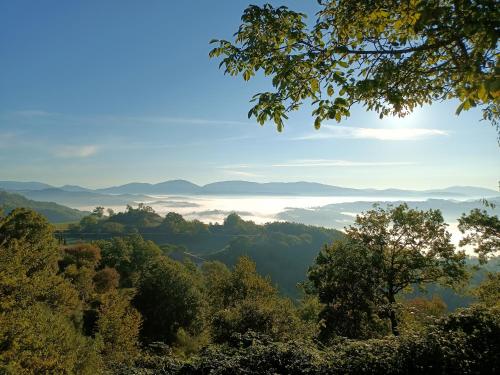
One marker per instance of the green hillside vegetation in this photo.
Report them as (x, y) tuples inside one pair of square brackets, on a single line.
[(281, 250), (121, 306), (54, 212)]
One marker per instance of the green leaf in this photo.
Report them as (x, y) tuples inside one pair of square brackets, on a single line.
[(314, 85), (317, 123)]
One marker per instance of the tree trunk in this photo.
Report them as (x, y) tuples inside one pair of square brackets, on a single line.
[(392, 316)]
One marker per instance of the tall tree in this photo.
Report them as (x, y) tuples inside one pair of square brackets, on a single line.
[(40, 312), (168, 299), (389, 55), (345, 276), (396, 248)]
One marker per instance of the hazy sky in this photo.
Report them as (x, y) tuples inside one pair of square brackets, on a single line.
[(99, 93)]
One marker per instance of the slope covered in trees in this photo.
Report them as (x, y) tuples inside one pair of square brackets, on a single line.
[(281, 250), (54, 212), (121, 306)]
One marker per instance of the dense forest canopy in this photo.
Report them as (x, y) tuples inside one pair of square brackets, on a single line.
[(121, 305), (281, 250)]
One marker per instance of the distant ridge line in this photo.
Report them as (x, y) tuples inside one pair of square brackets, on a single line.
[(238, 187)]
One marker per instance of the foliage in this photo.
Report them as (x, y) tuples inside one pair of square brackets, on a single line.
[(40, 312), (419, 313), (388, 250), (345, 277), (106, 280), (481, 231), (488, 292), (281, 250), (466, 342), (391, 56), (121, 306), (118, 327), (167, 301), (128, 255), (244, 301)]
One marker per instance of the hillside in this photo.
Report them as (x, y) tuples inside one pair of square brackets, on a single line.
[(82, 198), (283, 251), (54, 212)]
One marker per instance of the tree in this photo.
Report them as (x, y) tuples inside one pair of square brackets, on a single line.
[(345, 276), (98, 211), (40, 312), (482, 231), (168, 300), (128, 255), (394, 248), (106, 280), (241, 301), (118, 326), (391, 56), (488, 292), (35, 232)]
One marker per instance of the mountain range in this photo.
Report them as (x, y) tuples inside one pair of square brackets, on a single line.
[(37, 190)]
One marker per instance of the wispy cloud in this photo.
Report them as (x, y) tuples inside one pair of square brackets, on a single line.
[(236, 166), (83, 151), (243, 169), (381, 134), (112, 119), (340, 163), (242, 173)]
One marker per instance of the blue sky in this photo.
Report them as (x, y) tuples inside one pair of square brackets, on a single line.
[(99, 93)]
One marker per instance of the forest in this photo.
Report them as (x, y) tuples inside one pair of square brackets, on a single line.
[(104, 298)]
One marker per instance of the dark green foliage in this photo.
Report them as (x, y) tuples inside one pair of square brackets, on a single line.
[(167, 300), (40, 311), (346, 279), (409, 247), (466, 342), (127, 255), (82, 308), (242, 301), (281, 250)]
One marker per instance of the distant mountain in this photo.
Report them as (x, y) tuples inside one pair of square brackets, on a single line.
[(317, 189), (473, 191), (301, 188), (83, 198), (168, 187), (74, 188), (338, 215), (54, 212), (21, 185)]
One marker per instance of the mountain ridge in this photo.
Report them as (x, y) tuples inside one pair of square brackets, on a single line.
[(241, 187)]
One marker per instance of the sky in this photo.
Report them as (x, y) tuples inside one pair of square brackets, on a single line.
[(99, 93)]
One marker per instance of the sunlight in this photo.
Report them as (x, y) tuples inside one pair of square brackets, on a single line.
[(415, 119)]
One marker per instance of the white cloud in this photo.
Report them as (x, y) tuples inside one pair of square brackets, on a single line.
[(77, 151), (120, 120), (340, 163), (381, 134), (242, 174)]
